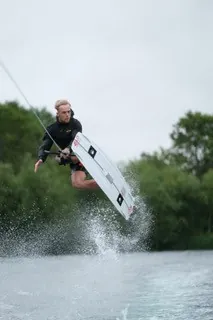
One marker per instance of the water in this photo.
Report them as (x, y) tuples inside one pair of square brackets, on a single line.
[(148, 286), (108, 285)]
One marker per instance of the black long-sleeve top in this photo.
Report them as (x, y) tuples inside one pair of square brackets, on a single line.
[(62, 133)]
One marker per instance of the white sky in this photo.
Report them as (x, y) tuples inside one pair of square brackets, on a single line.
[(129, 68)]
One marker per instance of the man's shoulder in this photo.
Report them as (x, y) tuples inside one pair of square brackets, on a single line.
[(52, 125), (75, 122)]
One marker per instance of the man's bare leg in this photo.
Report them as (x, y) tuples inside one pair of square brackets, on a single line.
[(78, 179)]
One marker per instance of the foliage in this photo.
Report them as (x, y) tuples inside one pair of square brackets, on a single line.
[(193, 143), (176, 185)]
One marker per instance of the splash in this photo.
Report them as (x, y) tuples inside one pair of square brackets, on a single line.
[(93, 227), (124, 313), (142, 221), (111, 233), (34, 243)]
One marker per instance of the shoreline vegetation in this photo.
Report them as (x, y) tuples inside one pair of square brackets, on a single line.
[(42, 213)]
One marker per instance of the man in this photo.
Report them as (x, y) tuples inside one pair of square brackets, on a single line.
[(63, 131)]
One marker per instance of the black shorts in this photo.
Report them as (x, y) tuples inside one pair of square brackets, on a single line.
[(77, 167)]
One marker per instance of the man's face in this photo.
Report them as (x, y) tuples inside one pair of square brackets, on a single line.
[(64, 113)]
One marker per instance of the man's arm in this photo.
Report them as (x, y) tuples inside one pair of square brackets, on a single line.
[(46, 145)]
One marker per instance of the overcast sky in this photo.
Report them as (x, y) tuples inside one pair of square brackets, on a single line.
[(129, 68)]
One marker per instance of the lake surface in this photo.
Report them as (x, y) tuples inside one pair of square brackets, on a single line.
[(148, 286)]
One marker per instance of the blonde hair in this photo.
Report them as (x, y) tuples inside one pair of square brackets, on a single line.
[(60, 102)]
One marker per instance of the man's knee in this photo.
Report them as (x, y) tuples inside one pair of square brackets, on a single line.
[(77, 184), (77, 179)]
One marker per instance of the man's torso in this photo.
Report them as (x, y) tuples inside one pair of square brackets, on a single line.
[(63, 133)]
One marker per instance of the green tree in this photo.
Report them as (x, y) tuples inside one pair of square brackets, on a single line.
[(207, 201), (192, 142), (19, 132), (174, 198), (45, 116), (176, 185)]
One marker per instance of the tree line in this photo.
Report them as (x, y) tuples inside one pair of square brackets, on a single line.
[(45, 214)]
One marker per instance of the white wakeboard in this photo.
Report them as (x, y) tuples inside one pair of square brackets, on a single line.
[(105, 173)]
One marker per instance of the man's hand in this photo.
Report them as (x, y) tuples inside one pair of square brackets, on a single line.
[(65, 153), (37, 165), (74, 159)]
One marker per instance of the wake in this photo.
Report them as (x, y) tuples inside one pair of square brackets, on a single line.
[(112, 234)]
